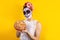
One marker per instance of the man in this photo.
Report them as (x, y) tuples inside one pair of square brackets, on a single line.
[(33, 27)]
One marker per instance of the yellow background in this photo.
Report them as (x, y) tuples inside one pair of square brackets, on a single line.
[(47, 12)]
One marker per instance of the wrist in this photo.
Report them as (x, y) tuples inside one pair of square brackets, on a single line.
[(18, 31)]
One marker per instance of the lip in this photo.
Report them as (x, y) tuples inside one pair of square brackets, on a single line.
[(27, 16)]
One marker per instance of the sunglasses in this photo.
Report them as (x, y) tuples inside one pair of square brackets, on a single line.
[(26, 12)]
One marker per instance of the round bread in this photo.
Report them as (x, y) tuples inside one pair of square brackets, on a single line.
[(20, 25)]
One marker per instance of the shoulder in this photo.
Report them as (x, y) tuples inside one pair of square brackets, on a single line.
[(38, 22), (38, 25)]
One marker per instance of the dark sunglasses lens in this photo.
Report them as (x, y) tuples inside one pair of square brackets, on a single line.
[(28, 11)]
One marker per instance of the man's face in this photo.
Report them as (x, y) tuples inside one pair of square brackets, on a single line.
[(27, 12)]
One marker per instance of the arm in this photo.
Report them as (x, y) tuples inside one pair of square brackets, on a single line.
[(18, 34), (38, 29), (31, 36)]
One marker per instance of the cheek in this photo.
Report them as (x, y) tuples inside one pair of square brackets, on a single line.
[(27, 14)]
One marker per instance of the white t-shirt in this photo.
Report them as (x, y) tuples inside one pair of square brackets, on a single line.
[(31, 26)]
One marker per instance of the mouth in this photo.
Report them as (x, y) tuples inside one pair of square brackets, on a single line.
[(27, 15)]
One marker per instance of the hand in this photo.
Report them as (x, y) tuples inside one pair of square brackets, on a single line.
[(24, 31), (34, 38), (18, 31)]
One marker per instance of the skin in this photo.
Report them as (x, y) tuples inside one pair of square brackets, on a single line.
[(38, 29)]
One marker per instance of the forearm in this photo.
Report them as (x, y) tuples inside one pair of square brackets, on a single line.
[(18, 34), (31, 36)]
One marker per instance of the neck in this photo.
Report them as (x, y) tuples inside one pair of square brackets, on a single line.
[(29, 19)]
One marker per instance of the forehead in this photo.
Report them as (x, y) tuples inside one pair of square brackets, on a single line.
[(26, 9)]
